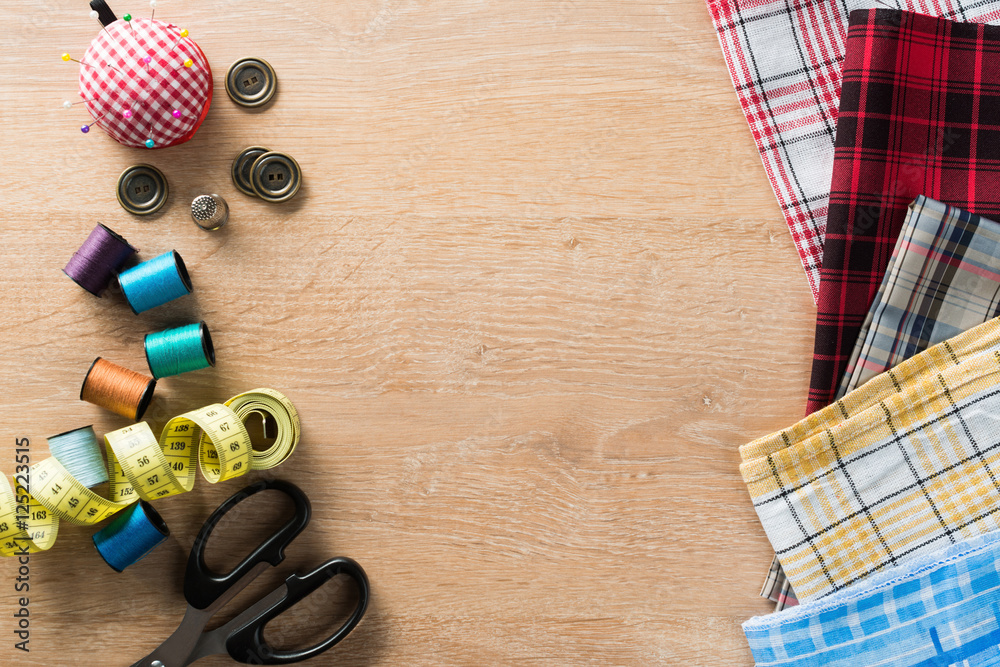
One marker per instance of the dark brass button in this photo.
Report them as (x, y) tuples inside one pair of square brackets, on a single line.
[(251, 82), (275, 177), (241, 168), (142, 189)]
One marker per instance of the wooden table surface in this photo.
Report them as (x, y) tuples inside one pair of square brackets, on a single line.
[(534, 294)]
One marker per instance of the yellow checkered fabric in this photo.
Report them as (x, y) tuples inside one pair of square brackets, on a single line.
[(904, 465)]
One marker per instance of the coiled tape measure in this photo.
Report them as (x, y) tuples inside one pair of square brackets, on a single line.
[(213, 438)]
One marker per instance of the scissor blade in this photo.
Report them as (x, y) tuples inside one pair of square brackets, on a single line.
[(176, 650), (214, 642)]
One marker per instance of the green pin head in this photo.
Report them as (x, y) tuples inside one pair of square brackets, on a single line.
[(127, 17)]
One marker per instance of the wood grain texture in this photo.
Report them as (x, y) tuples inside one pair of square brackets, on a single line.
[(534, 294)]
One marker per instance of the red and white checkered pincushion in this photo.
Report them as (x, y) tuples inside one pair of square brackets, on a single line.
[(134, 101)]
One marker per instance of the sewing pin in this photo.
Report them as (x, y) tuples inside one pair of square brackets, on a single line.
[(67, 58), (135, 38), (86, 128), (181, 35), (152, 5), (97, 17)]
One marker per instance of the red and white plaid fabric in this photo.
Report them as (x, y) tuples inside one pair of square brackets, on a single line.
[(114, 78), (785, 60)]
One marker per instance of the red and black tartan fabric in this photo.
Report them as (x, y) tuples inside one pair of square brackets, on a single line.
[(919, 115), (785, 58)]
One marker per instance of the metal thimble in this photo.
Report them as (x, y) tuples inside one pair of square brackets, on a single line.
[(210, 212)]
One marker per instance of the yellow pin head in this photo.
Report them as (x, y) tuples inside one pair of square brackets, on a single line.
[(188, 62), (65, 57), (184, 32)]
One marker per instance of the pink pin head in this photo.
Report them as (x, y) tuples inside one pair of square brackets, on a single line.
[(147, 60), (176, 113), (127, 113)]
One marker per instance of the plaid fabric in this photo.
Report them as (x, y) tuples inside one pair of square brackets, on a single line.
[(981, 339), (898, 467), (919, 114), (785, 58), (113, 79), (777, 588), (943, 278), (940, 610)]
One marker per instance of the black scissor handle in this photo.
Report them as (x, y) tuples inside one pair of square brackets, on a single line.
[(202, 587), (247, 644)]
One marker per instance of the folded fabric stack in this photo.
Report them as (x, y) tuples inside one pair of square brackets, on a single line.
[(881, 138), (899, 469)]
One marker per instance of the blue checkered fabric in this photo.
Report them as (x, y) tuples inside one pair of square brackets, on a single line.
[(939, 610)]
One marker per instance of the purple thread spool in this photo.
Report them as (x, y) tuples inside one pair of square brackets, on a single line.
[(94, 265)]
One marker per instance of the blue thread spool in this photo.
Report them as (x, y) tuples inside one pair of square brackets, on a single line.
[(155, 282), (179, 350), (79, 452), (131, 536)]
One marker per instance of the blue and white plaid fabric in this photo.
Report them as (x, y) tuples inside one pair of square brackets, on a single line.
[(939, 610), (943, 279)]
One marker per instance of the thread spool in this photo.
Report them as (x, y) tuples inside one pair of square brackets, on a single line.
[(179, 350), (94, 265), (131, 536), (117, 389), (79, 452), (155, 282)]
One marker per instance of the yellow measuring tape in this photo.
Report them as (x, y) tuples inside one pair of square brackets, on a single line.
[(267, 402), (213, 438)]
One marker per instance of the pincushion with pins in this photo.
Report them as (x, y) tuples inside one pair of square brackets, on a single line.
[(145, 83)]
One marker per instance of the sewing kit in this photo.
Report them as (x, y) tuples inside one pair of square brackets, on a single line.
[(148, 85)]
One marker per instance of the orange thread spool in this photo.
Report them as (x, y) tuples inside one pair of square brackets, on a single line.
[(118, 389)]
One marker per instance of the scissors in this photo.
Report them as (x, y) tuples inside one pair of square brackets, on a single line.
[(243, 637)]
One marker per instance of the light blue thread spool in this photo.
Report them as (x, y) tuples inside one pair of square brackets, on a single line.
[(79, 452), (131, 536), (179, 350), (155, 282)]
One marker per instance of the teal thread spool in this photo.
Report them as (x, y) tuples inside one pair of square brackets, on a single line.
[(79, 452), (131, 536), (179, 350), (155, 282)]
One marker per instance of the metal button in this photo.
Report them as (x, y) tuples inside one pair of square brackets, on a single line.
[(210, 212), (251, 82), (241, 168), (142, 189), (275, 177)]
